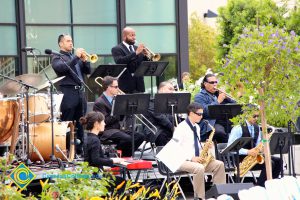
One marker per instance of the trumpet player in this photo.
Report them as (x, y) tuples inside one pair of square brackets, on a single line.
[(250, 129), (128, 53), (112, 129), (210, 95), (73, 104)]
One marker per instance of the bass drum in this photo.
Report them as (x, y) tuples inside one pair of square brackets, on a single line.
[(8, 117), (41, 137)]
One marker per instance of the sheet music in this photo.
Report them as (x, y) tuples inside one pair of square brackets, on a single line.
[(173, 155)]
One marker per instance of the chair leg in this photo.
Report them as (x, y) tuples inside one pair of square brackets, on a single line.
[(162, 185), (254, 177), (181, 191)]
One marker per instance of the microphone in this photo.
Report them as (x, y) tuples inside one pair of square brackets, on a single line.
[(49, 51), (25, 49)]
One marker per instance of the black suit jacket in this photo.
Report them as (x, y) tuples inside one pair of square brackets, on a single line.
[(61, 69), (127, 82), (93, 153), (112, 122)]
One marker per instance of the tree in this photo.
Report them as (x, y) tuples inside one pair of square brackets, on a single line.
[(238, 14), (267, 61), (293, 21), (202, 47)]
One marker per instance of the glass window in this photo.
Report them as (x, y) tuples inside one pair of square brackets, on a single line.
[(44, 37), (8, 40), (150, 11), (94, 11), (7, 67), (98, 40), (45, 11), (160, 39), (7, 11)]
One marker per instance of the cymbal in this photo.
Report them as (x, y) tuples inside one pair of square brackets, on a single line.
[(11, 87), (47, 84)]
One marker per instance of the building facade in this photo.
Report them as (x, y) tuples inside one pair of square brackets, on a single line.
[(96, 26)]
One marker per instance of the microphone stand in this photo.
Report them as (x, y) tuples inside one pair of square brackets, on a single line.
[(52, 87)]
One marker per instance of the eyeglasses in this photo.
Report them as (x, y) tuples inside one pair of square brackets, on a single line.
[(199, 114), (212, 82), (114, 86), (255, 116)]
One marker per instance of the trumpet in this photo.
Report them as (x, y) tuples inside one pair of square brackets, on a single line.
[(92, 58), (142, 118), (226, 94), (152, 56)]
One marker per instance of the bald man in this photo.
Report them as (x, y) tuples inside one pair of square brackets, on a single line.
[(131, 55)]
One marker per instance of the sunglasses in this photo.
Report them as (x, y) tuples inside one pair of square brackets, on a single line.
[(255, 116), (199, 114), (114, 86), (212, 82)]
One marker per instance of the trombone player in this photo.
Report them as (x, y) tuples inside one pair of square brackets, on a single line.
[(131, 55), (74, 103)]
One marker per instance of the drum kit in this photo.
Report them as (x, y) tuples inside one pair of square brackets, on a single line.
[(26, 123)]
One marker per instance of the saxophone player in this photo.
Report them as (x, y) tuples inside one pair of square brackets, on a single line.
[(251, 129), (187, 134)]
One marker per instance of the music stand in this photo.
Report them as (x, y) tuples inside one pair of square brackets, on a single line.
[(224, 111), (129, 105), (280, 144), (108, 70), (171, 103), (151, 68), (235, 147)]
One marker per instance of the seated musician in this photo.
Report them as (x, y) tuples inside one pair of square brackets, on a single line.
[(251, 129), (210, 95), (163, 122), (112, 129), (187, 134), (185, 79), (93, 153)]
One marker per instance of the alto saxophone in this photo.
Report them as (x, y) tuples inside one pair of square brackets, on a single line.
[(205, 154), (250, 161)]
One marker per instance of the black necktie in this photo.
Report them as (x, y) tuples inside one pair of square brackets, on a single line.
[(195, 137), (131, 48)]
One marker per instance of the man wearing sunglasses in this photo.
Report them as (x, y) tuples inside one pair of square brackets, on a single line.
[(112, 128), (251, 129), (209, 95), (187, 134)]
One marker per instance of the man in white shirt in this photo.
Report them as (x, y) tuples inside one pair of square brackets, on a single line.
[(187, 134)]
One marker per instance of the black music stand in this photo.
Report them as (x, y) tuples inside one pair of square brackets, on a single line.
[(108, 70), (171, 103), (280, 144), (235, 147), (151, 68), (224, 112), (129, 105)]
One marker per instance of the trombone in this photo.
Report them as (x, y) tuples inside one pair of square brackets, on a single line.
[(153, 129), (92, 58), (152, 56)]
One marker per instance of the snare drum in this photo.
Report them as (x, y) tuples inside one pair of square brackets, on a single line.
[(38, 108), (7, 117), (41, 137)]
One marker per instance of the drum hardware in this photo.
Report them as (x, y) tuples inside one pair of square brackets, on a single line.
[(62, 153)]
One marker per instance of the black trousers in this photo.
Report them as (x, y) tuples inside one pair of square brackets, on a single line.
[(73, 107), (220, 134), (123, 140)]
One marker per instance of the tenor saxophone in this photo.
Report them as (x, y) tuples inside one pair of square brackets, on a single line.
[(205, 154), (250, 161)]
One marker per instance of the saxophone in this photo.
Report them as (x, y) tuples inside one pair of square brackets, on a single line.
[(250, 161), (205, 154)]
